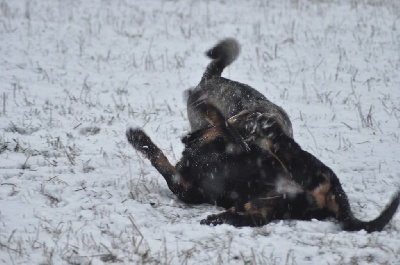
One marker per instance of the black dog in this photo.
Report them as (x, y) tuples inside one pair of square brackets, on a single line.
[(241, 156)]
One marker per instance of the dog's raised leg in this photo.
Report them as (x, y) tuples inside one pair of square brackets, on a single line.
[(141, 142)]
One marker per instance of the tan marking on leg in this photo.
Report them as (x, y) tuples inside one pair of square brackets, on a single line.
[(162, 161), (240, 116), (210, 135), (265, 144), (324, 197), (331, 204), (320, 194), (263, 211)]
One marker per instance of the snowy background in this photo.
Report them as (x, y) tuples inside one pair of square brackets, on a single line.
[(75, 74)]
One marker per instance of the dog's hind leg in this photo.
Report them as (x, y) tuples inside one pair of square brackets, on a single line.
[(179, 186), (316, 178)]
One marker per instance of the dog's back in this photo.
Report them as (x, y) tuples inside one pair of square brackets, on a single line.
[(229, 96)]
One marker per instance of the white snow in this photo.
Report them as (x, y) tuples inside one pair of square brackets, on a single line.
[(75, 74)]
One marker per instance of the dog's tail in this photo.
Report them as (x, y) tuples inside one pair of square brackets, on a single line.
[(222, 55), (353, 224)]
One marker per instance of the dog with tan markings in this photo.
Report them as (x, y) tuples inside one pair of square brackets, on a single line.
[(241, 155)]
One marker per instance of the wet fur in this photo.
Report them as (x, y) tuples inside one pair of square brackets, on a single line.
[(241, 155)]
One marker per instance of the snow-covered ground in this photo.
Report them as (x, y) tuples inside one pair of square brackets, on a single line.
[(75, 74)]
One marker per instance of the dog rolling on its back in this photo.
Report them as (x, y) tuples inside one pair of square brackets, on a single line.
[(241, 155)]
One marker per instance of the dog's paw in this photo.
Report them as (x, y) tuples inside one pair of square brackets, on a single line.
[(136, 137), (250, 124), (268, 127), (260, 125), (140, 141), (212, 220), (229, 217)]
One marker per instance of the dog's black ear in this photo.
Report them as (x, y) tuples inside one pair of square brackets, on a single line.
[(214, 116)]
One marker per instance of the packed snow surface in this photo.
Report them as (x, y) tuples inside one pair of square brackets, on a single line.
[(75, 74)]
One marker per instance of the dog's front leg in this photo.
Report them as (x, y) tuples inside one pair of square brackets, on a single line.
[(180, 187), (257, 212), (238, 219)]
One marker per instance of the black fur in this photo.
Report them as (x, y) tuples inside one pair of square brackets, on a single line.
[(241, 155)]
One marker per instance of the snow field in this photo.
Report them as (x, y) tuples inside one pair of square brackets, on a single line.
[(75, 74)]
